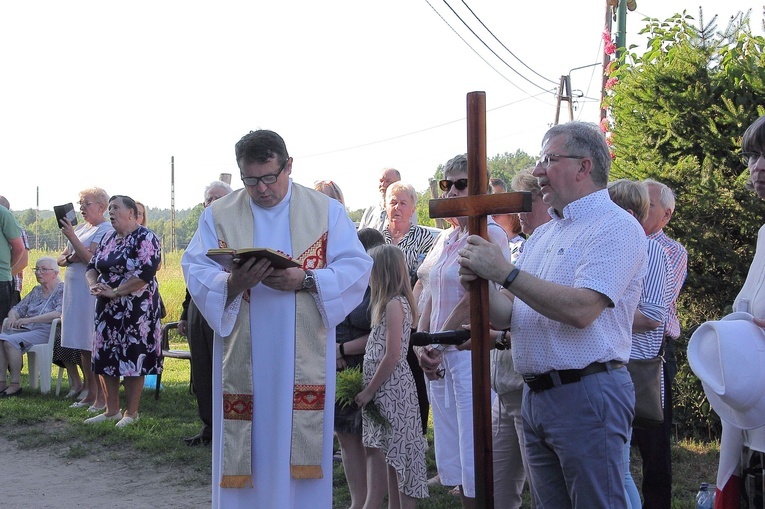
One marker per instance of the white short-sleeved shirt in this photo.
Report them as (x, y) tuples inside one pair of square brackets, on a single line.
[(595, 245)]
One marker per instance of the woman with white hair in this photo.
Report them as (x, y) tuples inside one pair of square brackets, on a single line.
[(29, 323), (77, 322), (415, 241)]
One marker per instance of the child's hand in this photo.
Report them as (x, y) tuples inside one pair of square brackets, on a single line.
[(363, 398)]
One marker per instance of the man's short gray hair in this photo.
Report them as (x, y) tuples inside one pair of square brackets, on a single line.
[(585, 139), (666, 194), (215, 184)]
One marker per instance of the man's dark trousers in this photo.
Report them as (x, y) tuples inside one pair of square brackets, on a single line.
[(655, 444), (200, 337)]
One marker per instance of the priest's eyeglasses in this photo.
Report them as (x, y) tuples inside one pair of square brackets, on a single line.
[(266, 179), (446, 185)]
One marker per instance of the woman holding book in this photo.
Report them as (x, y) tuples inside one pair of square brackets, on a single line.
[(128, 339), (77, 318)]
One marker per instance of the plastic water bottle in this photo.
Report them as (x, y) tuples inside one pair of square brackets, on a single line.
[(704, 498)]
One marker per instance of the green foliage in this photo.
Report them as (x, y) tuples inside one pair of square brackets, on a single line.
[(679, 111), (505, 166), (355, 215), (44, 233), (349, 384)]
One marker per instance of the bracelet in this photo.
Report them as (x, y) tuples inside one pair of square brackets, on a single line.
[(510, 278), (68, 258), (342, 349), (116, 292)]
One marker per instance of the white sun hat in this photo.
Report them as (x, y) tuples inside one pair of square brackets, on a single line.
[(728, 356)]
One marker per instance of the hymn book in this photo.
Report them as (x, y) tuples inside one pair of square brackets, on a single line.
[(229, 258), (65, 211)]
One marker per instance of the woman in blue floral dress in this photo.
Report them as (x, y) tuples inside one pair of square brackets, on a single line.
[(128, 337)]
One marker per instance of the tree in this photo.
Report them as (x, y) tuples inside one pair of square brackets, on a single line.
[(678, 113), (506, 165)]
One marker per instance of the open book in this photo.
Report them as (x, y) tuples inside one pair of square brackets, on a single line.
[(65, 211), (228, 258)]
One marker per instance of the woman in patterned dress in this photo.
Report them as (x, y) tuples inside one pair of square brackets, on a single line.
[(128, 332), (389, 383)]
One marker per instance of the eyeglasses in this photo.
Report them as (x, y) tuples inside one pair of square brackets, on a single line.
[(86, 203), (41, 269), (546, 160), (266, 179), (446, 185), (211, 199), (750, 158)]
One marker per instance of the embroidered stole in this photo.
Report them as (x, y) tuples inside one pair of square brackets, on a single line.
[(308, 215)]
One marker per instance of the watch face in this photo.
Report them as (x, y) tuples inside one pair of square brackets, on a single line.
[(308, 282)]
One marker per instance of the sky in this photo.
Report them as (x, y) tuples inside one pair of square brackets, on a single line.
[(98, 93)]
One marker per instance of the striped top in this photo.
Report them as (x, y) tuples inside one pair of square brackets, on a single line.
[(654, 303), (677, 257), (415, 244)]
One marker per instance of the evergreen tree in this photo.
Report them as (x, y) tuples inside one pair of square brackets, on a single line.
[(678, 113)]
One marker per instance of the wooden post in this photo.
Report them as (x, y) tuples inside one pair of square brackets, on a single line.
[(476, 206)]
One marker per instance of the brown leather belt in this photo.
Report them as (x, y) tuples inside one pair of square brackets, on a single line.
[(552, 379)]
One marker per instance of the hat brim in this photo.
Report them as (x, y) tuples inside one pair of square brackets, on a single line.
[(704, 359)]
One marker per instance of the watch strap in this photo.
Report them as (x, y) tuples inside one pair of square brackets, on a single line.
[(510, 278)]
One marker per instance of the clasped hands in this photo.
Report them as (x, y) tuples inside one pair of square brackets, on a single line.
[(16, 322), (102, 290)]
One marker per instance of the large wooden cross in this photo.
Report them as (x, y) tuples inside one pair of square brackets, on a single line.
[(476, 206)]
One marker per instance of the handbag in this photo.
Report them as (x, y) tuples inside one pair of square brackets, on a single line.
[(646, 377)]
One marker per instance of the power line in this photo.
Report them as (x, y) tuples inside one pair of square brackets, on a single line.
[(506, 48), (494, 52), (413, 132), (478, 54)]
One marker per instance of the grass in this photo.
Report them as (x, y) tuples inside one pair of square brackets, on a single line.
[(35, 420)]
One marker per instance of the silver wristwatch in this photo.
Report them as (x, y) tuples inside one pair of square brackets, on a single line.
[(309, 283)]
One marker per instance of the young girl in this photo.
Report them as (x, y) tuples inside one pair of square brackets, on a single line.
[(389, 382)]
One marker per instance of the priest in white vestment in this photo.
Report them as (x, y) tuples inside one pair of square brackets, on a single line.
[(271, 211)]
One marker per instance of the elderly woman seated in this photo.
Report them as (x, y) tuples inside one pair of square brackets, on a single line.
[(29, 323)]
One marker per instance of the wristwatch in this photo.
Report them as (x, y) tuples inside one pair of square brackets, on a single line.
[(501, 341), (309, 283)]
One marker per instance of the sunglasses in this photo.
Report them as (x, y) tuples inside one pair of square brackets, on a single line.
[(446, 185)]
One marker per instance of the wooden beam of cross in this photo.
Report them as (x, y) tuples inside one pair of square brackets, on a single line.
[(476, 206)]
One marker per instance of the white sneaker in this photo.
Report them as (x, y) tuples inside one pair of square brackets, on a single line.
[(103, 417), (127, 421), (94, 409)]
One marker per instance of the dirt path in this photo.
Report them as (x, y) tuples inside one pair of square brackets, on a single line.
[(40, 479)]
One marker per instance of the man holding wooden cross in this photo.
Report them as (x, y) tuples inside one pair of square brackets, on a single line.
[(570, 305)]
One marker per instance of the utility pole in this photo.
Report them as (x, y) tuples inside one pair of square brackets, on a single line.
[(37, 219), (172, 203), (621, 25), (564, 94)]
